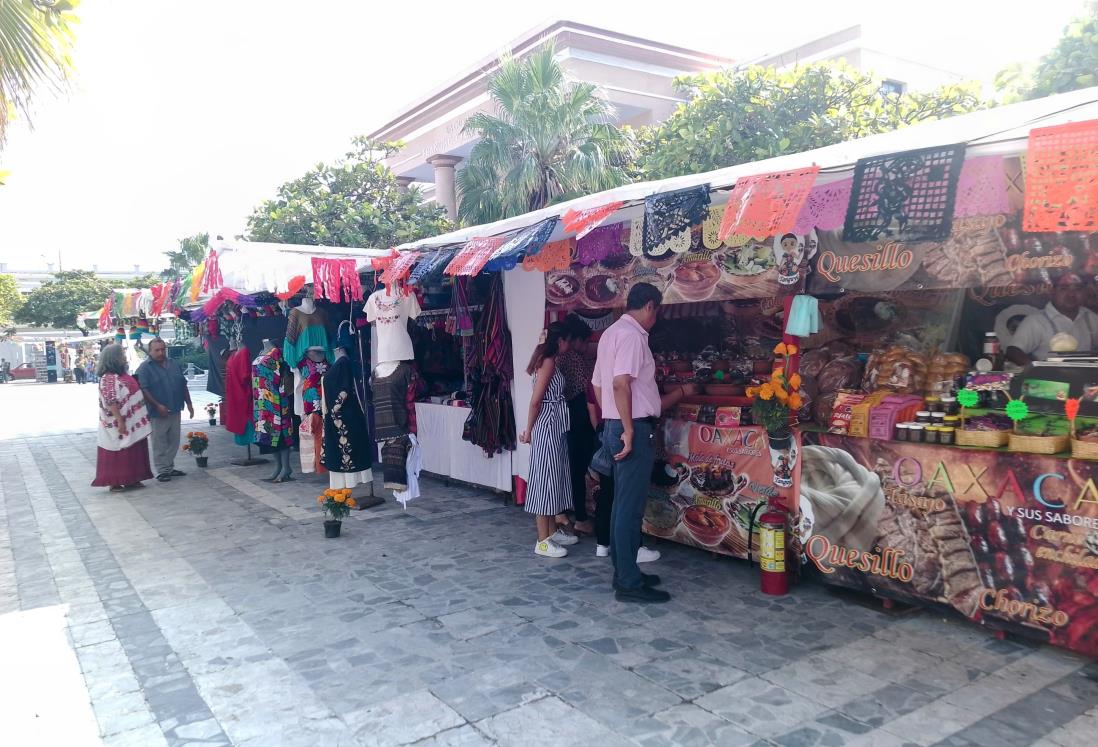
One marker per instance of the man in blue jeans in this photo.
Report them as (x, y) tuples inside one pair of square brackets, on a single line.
[(625, 386)]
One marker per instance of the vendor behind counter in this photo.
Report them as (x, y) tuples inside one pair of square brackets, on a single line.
[(1064, 314)]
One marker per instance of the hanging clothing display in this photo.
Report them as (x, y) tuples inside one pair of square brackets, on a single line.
[(391, 403), (273, 394), (389, 310), (238, 397), (304, 331), (347, 443), (412, 467), (311, 443), (491, 422), (394, 463), (307, 378), (336, 280)]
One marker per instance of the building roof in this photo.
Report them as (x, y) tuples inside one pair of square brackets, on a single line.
[(566, 34), (1001, 130)]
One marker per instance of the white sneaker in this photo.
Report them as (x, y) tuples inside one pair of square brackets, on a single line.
[(644, 555), (564, 539), (549, 549), (602, 551)]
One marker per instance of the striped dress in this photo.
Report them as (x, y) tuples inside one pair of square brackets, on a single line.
[(549, 490)]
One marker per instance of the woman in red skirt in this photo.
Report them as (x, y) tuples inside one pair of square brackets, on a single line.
[(123, 456)]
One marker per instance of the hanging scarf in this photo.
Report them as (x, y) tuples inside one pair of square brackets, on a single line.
[(336, 280), (603, 242), (491, 421), (671, 213), (528, 241), (212, 279)]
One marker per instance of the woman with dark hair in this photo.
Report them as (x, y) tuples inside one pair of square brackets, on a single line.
[(581, 436), (122, 460), (549, 490)]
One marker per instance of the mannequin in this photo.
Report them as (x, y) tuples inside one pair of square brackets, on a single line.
[(273, 405), (308, 405), (348, 449), (389, 309), (306, 327)]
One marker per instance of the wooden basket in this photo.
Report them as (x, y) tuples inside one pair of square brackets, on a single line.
[(981, 438), (1084, 449), (1038, 444)]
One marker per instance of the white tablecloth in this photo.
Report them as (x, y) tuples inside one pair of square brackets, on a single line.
[(444, 453)]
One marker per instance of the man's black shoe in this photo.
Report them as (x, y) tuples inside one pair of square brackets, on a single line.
[(176, 473), (166, 477), (643, 595), (648, 579)]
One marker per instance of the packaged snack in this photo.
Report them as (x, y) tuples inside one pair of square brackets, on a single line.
[(842, 411)]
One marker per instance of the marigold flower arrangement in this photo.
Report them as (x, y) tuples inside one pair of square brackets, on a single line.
[(775, 399), (197, 443), (211, 409), (336, 503)]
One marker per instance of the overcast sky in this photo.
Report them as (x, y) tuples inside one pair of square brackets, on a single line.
[(186, 114)]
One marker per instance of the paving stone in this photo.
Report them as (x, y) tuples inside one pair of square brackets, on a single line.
[(403, 720), (462, 736), (688, 725), (547, 721), (760, 707)]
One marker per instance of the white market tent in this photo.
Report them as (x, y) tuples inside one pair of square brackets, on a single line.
[(256, 266), (999, 131)]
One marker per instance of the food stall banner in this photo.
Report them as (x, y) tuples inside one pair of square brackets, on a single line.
[(399, 268), (1006, 539), (474, 255), (1062, 178), (904, 196), (982, 188), (336, 279), (582, 222), (825, 208), (722, 475), (766, 204), (529, 241), (556, 255), (670, 213)]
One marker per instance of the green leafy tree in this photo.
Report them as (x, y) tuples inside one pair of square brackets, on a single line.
[(354, 202), (1070, 65), (35, 39), (148, 280), (738, 116), (10, 299), (551, 140), (57, 302), (181, 261)]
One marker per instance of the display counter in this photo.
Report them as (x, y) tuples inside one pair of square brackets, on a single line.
[(447, 455), (721, 475), (1008, 539)]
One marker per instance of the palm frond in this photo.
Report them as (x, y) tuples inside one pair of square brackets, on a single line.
[(34, 53)]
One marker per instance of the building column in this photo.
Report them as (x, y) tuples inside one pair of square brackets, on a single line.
[(445, 185), (403, 182)]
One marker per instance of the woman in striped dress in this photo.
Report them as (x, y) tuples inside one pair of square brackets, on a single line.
[(549, 490)]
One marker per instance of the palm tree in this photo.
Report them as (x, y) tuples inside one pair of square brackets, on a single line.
[(552, 140), (35, 39)]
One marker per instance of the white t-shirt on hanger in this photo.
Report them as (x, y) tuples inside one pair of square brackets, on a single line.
[(389, 313)]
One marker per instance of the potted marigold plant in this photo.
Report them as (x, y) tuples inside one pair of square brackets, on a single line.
[(775, 403), (336, 504), (211, 412), (197, 443)]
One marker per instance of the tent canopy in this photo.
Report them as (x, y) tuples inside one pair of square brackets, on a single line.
[(255, 266), (999, 131)]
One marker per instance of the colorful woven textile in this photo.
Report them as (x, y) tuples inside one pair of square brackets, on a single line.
[(670, 213), (474, 255), (271, 410), (825, 207), (1062, 178), (582, 222), (767, 204), (527, 242), (905, 196), (982, 188), (603, 242), (491, 421), (399, 269), (212, 279)]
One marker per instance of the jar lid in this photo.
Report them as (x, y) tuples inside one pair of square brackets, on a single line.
[(902, 425), (953, 418), (923, 412), (946, 428), (949, 399), (938, 413), (916, 426)]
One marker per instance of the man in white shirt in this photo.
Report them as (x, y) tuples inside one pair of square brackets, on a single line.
[(1064, 313)]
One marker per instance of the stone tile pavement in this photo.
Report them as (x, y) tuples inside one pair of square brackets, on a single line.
[(211, 611)]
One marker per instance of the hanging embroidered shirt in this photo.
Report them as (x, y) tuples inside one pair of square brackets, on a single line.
[(271, 390), (304, 331), (390, 313)]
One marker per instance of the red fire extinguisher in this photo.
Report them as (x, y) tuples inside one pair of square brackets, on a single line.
[(774, 579)]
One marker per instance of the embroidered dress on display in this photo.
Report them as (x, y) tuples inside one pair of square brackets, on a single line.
[(670, 213), (582, 222), (1062, 178), (767, 204), (825, 208), (904, 196)]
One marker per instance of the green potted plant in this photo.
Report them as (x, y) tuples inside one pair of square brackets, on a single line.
[(336, 504), (211, 413), (197, 443)]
